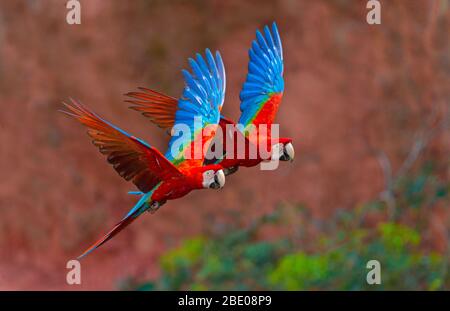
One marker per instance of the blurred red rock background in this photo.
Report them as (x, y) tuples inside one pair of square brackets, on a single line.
[(352, 91)]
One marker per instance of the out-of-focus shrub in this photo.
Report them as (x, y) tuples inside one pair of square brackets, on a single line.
[(326, 254)]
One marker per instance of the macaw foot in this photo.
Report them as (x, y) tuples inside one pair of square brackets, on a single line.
[(230, 170), (155, 206)]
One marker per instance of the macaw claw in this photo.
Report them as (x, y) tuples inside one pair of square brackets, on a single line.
[(155, 206)]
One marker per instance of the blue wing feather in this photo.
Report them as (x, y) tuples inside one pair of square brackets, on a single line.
[(202, 97), (265, 73)]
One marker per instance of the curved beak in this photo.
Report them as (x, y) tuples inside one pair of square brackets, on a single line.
[(219, 178), (289, 149)]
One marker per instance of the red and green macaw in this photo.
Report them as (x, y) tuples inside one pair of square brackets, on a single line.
[(165, 177), (260, 98)]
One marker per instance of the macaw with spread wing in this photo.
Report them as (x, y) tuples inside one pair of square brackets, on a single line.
[(173, 175), (260, 98)]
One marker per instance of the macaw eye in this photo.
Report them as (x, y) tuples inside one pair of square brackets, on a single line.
[(209, 174)]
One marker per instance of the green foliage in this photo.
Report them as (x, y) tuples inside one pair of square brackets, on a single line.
[(397, 236), (299, 271), (422, 189), (317, 254), (233, 261), (245, 264)]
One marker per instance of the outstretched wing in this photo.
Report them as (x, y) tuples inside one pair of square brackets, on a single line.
[(262, 91), (159, 108), (198, 110), (131, 157)]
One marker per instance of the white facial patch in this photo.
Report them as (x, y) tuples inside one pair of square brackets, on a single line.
[(208, 178)]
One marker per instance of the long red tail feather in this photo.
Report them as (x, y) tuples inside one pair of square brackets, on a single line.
[(117, 228)]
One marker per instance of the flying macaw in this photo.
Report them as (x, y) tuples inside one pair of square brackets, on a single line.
[(173, 175), (260, 98)]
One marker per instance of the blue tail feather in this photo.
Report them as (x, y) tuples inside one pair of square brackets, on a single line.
[(136, 192)]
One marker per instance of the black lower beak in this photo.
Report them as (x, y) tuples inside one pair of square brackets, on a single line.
[(214, 185), (285, 157)]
